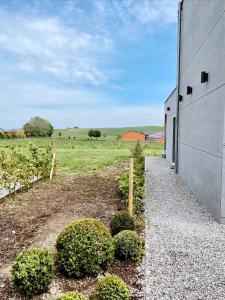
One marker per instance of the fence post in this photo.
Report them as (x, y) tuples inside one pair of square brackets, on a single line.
[(53, 160), (131, 187)]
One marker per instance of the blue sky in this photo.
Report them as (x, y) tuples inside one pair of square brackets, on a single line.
[(86, 63)]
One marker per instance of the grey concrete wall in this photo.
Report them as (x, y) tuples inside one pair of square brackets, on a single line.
[(170, 102), (201, 122)]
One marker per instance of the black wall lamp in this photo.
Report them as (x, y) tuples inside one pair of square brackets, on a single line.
[(204, 76), (180, 97), (168, 108), (189, 90)]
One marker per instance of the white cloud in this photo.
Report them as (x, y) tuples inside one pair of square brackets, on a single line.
[(51, 61), (50, 45), (67, 107), (161, 12), (136, 17), (46, 45)]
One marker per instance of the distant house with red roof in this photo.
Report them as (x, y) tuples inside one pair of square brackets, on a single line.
[(148, 136)]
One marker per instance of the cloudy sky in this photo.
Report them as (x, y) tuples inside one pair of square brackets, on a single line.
[(90, 63)]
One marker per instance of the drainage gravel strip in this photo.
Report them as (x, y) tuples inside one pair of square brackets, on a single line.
[(185, 246)]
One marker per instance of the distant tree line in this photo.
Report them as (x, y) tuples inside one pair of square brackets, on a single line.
[(39, 127), (35, 127)]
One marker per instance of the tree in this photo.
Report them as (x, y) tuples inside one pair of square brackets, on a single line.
[(38, 127), (94, 133), (91, 133), (59, 134), (97, 133)]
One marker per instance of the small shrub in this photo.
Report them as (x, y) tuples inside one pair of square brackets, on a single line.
[(128, 246), (32, 271), (140, 221), (123, 181), (137, 152), (72, 296), (94, 133), (139, 180), (111, 287), (85, 247), (121, 221)]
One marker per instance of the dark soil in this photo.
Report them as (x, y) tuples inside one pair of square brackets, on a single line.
[(36, 217)]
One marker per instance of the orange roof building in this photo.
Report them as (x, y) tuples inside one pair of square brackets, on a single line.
[(148, 136), (132, 136)]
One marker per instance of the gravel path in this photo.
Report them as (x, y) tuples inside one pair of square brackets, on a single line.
[(185, 247)]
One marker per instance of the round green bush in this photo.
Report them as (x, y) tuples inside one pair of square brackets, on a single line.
[(111, 287), (32, 271), (121, 221), (85, 247), (72, 296), (128, 245)]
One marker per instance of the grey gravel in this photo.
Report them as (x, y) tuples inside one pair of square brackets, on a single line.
[(185, 246)]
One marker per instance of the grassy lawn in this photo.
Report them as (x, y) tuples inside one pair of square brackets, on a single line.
[(83, 155)]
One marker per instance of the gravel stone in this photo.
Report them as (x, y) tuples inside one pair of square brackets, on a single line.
[(185, 246)]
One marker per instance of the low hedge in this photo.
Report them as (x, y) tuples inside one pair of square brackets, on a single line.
[(111, 287), (72, 296), (32, 271), (128, 246), (139, 180), (121, 221), (85, 247)]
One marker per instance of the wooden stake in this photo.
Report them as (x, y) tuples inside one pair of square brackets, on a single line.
[(131, 187), (53, 160)]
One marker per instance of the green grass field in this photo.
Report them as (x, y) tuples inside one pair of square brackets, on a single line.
[(111, 133), (83, 155)]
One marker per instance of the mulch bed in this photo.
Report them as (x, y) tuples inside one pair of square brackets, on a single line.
[(37, 216)]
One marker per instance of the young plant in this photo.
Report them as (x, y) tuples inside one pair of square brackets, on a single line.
[(138, 180)]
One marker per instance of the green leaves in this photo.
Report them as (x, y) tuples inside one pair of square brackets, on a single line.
[(94, 133), (123, 181), (121, 221), (139, 179), (111, 287), (32, 271), (38, 127), (128, 246), (19, 166), (85, 247)]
